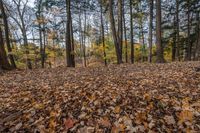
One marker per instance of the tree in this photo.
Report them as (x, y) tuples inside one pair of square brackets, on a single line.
[(4, 63), (21, 9), (102, 33), (151, 5), (114, 33), (120, 27), (69, 47), (4, 16), (40, 20), (131, 27), (125, 34), (159, 49), (177, 56)]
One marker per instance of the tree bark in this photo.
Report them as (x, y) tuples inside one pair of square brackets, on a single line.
[(84, 44), (69, 54), (125, 37), (120, 27), (114, 33), (159, 49), (39, 17), (174, 42), (72, 44), (103, 38), (4, 63), (197, 43), (177, 32), (189, 45), (150, 30), (44, 46), (131, 27), (4, 16), (143, 43)]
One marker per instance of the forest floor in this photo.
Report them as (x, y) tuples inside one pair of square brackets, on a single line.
[(126, 98)]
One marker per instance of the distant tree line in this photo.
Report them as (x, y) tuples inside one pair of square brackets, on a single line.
[(80, 25)]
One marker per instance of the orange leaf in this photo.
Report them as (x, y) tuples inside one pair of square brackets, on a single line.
[(117, 109)]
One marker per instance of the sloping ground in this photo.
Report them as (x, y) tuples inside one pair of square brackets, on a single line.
[(129, 98)]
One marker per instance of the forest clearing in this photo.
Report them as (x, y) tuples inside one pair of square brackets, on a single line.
[(126, 98), (99, 66)]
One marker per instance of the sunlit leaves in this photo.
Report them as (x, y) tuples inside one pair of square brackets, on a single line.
[(126, 98)]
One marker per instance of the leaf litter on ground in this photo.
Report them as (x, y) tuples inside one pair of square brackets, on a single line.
[(118, 98)]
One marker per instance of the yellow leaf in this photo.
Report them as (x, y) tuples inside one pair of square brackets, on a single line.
[(38, 106), (147, 97), (117, 109)]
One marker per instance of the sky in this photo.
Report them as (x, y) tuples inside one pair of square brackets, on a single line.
[(31, 3)]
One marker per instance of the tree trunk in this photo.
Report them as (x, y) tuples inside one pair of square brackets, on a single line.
[(39, 17), (4, 16), (197, 44), (150, 30), (159, 49), (114, 33), (28, 60), (143, 43), (4, 63), (125, 37), (68, 36), (23, 30), (41, 45), (120, 27), (72, 46), (131, 27), (174, 42), (44, 47), (102, 30), (84, 44), (189, 45), (80, 35), (177, 32)]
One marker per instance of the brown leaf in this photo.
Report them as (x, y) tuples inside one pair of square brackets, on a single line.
[(69, 123), (104, 122), (169, 120)]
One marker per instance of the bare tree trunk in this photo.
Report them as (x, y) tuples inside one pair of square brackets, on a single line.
[(131, 27), (72, 46), (174, 42), (125, 37), (4, 63), (177, 32), (41, 45), (39, 16), (189, 45), (44, 47), (23, 29), (143, 43), (151, 4), (197, 46), (68, 36), (114, 33), (28, 60), (102, 30), (120, 27), (160, 56), (198, 40), (4, 16), (80, 35), (84, 44)]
